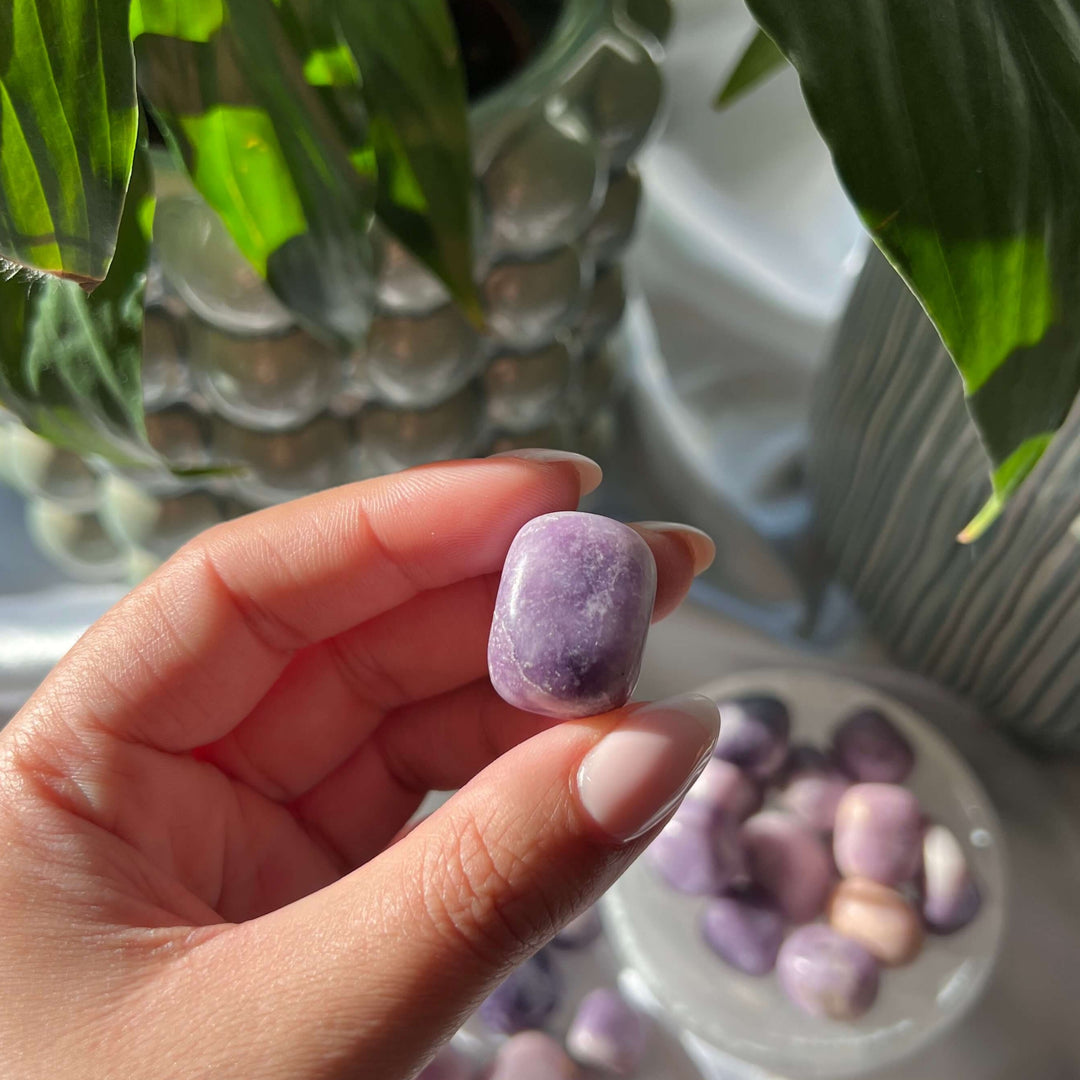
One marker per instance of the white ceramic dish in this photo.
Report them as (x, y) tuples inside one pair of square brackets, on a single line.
[(748, 1021)]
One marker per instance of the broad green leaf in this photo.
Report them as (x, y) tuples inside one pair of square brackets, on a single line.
[(68, 124), (414, 89), (955, 127), (265, 149), (760, 60)]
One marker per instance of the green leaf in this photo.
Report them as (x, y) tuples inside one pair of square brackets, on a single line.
[(760, 60), (954, 126), (69, 361), (266, 150), (68, 124), (414, 90)]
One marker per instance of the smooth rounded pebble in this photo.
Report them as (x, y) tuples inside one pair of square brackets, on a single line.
[(869, 747), (525, 999), (699, 856), (950, 896), (754, 732), (812, 787), (580, 933), (878, 833), (877, 917), (571, 615), (788, 862), (745, 931), (827, 975), (532, 1055), (449, 1064), (607, 1034), (726, 789)]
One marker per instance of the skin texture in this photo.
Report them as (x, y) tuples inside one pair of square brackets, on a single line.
[(203, 865)]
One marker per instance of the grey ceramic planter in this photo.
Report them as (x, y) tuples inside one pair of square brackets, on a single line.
[(898, 471), (229, 375)]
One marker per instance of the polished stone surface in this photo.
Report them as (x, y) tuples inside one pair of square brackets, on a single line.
[(572, 615), (827, 975), (607, 1034), (878, 833), (745, 931)]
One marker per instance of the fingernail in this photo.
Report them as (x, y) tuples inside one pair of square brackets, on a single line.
[(636, 775), (589, 473), (701, 544)]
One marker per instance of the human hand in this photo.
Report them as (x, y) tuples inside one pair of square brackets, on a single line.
[(204, 870)]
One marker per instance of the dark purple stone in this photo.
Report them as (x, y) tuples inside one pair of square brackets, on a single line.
[(572, 615), (580, 933), (746, 931), (754, 734), (607, 1034), (869, 747), (525, 999), (698, 857), (827, 975)]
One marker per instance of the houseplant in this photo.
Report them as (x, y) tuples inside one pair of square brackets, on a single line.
[(953, 127), (370, 247)]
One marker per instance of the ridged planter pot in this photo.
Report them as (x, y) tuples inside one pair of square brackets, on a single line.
[(228, 374), (898, 471)]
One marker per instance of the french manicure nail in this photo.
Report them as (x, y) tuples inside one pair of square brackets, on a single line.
[(700, 543), (589, 473), (636, 775)]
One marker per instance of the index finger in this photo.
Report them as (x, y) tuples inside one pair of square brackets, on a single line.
[(191, 651)]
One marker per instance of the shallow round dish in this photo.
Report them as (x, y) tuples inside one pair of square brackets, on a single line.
[(748, 1020)]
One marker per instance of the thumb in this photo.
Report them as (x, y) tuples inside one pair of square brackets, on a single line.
[(389, 961)]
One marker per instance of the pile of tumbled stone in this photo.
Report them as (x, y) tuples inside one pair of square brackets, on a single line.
[(840, 876), (606, 1037)]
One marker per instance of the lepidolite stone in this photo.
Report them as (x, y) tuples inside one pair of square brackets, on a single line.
[(870, 748), (878, 918), (788, 862), (878, 833), (525, 999), (607, 1034), (827, 975), (746, 931), (754, 732), (449, 1064), (572, 615), (950, 896), (532, 1055)]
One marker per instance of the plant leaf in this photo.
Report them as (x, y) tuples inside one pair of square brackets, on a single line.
[(760, 60), (413, 86), (264, 149), (68, 125), (954, 126)]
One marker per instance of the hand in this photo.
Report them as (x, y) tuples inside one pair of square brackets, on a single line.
[(201, 872)]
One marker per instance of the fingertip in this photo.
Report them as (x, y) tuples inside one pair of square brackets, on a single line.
[(701, 546), (589, 473)]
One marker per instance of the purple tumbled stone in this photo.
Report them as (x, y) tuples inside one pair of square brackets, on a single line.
[(950, 897), (580, 933), (727, 790), (746, 931), (754, 734), (788, 862), (607, 1034), (532, 1055), (525, 999), (449, 1064), (869, 747), (700, 855), (572, 615), (878, 833), (827, 975), (812, 787)]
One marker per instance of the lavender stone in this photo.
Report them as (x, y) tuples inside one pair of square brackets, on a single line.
[(580, 933), (698, 857), (812, 787), (449, 1064), (950, 897), (878, 833), (532, 1055), (754, 734), (788, 862), (869, 747), (827, 975), (746, 931), (525, 999), (607, 1034), (727, 790), (572, 615)]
